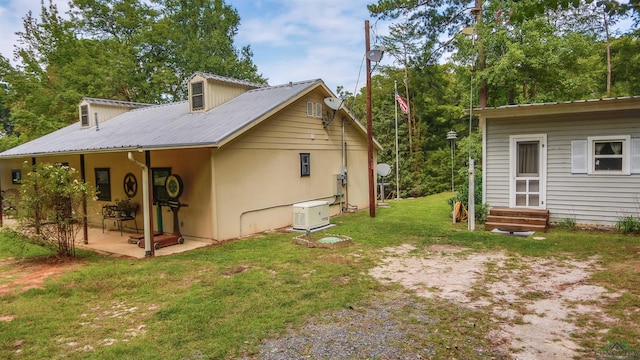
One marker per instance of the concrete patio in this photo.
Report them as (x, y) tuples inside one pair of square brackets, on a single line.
[(111, 243)]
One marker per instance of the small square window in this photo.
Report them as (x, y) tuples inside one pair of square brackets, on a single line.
[(197, 96), (16, 176), (103, 184), (305, 164), (309, 109)]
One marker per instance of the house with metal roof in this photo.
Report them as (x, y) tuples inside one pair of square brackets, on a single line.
[(577, 160), (233, 158)]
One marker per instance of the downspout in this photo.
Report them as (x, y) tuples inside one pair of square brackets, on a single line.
[(346, 185), (148, 249)]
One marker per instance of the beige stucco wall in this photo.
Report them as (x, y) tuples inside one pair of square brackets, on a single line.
[(192, 165), (250, 184), (257, 177)]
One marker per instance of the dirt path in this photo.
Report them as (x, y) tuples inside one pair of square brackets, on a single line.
[(535, 301), (20, 276)]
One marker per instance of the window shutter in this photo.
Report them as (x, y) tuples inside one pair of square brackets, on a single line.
[(635, 156), (579, 157)]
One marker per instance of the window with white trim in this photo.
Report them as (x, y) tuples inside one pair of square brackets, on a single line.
[(609, 154), (309, 109), (318, 110)]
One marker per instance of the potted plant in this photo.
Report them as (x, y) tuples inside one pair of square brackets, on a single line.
[(124, 207)]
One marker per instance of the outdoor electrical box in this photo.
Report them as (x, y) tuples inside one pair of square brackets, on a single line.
[(310, 215), (339, 180)]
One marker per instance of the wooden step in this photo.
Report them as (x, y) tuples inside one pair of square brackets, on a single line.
[(517, 220), (519, 212), (514, 227)]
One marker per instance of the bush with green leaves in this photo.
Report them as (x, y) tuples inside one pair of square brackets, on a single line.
[(566, 223), (51, 205), (628, 225), (481, 210)]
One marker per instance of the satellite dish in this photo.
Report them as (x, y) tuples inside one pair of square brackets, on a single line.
[(334, 103), (375, 55), (383, 169), (469, 30)]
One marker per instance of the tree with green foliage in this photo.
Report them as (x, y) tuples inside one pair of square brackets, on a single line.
[(155, 59), (51, 207), (522, 54), (5, 121), (549, 49), (115, 49), (625, 54)]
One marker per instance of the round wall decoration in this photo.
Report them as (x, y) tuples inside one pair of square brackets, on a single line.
[(130, 185), (174, 187)]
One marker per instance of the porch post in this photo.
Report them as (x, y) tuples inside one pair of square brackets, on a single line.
[(1, 206), (146, 202), (85, 225)]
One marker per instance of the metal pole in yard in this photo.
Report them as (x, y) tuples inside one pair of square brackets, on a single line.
[(370, 167)]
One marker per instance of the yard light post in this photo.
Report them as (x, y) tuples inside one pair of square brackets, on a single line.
[(452, 136)]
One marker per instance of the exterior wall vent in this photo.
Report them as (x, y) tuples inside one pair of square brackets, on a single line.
[(310, 215)]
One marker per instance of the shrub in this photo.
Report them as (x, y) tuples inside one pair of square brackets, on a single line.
[(481, 210), (566, 223), (628, 225), (50, 209)]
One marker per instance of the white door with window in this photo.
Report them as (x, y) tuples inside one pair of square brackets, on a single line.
[(528, 164)]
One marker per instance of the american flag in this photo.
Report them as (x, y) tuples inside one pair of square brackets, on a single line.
[(403, 104)]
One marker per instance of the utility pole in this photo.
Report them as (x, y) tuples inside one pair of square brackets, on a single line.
[(483, 92), (406, 90), (370, 169)]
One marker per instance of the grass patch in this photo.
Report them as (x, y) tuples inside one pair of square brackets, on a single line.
[(221, 302)]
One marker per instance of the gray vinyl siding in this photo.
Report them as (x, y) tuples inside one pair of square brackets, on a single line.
[(588, 199), (496, 164)]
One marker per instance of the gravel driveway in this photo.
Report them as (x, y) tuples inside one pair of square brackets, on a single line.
[(531, 303)]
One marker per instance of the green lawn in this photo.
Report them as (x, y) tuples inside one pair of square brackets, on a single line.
[(221, 301)]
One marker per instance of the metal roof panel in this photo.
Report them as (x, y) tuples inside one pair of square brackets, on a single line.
[(170, 125)]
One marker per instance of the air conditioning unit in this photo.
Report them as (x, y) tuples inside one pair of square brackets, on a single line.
[(310, 215)]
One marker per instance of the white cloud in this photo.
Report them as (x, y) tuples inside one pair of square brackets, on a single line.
[(292, 40), (12, 13), (308, 39)]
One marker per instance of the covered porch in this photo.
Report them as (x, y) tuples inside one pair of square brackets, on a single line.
[(112, 243)]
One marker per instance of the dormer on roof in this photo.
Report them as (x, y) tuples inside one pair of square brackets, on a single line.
[(94, 111), (207, 91)]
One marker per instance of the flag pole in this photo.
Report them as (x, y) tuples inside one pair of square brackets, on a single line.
[(395, 88)]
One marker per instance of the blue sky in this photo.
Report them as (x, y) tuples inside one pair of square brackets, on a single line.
[(292, 40)]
